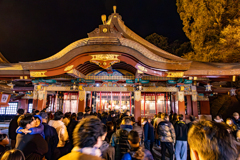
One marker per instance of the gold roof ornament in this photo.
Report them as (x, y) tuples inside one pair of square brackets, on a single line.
[(104, 18), (114, 9)]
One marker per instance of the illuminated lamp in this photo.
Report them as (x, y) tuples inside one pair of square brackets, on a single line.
[(181, 88), (208, 87), (233, 92)]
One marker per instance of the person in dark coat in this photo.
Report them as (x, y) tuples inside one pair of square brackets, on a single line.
[(166, 135), (136, 151), (4, 141), (181, 131), (51, 136), (119, 138), (108, 152), (13, 127), (34, 147), (148, 134), (87, 112), (70, 129), (137, 128)]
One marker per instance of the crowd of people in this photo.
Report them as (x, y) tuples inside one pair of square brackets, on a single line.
[(117, 136)]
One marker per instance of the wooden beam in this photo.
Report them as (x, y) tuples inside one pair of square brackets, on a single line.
[(75, 73)]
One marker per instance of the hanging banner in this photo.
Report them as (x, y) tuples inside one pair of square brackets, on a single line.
[(194, 96), (4, 99), (137, 95), (82, 95), (41, 95), (181, 96)]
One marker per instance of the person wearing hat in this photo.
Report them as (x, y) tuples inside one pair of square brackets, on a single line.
[(236, 120), (51, 136)]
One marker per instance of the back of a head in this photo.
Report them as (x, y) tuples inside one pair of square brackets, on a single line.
[(87, 109), (133, 119), (211, 140), (67, 115), (127, 121), (164, 116), (192, 118), (79, 115), (87, 132), (180, 117), (23, 120), (13, 154), (110, 126), (133, 136), (44, 115), (58, 115), (20, 111), (73, 116)]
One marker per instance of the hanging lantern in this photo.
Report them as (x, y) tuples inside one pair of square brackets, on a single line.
[(208, 87), (233, 92)]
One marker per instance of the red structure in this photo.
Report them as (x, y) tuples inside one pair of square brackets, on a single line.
[(116, 69)]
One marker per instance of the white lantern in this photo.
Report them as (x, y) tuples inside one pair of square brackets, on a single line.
[(208, 87), (233, 92)]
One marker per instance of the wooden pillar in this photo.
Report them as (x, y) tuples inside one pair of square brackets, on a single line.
[(205, 107), (24, 104), (41, 99), (181, 108), (181, 104), (189, 105), (195, 108), (82, 100), (35, 98), (137, 104)]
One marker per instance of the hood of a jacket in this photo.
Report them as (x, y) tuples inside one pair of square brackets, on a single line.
[(104, 146)]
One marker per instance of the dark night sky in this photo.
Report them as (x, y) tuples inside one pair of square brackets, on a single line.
[(36, 29)]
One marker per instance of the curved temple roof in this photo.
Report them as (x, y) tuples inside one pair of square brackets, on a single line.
[(120, 39)]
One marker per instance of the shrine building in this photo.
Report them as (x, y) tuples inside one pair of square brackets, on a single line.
[(113, 69)]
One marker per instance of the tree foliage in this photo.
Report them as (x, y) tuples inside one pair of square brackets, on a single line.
[(176, 47), (212, 28)]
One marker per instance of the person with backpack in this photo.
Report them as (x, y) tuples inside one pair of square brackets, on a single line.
[(119, 139), (167, 136), (181, 131), (136, 152)]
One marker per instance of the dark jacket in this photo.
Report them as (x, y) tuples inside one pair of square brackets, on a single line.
[(236, 122), (108, 152), (51, 138), (119, 140), (138, 129), (181, 131), (148, 132), (12, 128), (70, 128), (79, 156), (33, 146), (3, 149), (189, 125), (138, 154), (166, 132)]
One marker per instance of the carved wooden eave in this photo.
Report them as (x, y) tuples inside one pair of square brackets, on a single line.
[(114, 37)]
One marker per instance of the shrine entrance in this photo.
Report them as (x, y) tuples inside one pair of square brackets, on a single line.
[(106, 101)]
